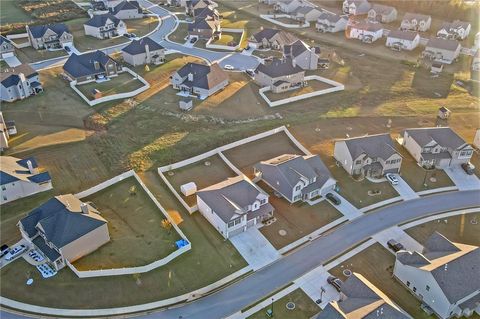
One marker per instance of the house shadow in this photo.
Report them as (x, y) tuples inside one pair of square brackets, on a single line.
[(428, 85)]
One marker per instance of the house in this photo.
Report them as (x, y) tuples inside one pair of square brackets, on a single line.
[(143, 51), (127, 10), (306, 14), (6, 48), (289, 6), (7, 129), (64, 229), (105, 26), (438, 147), (366, 32), (370, 156), (206, 24), (402, 40), (49, 36), (360, 299), (382, 13), (302, 55), (476, 139), (444, 276), (442, 50), (416, 22), (199, 79), (454, 30), (192, 5), (280, 75), (443, 113), (331, 22), (105, 4), (18, 83), (296, 177), (91, 66), (356, 7), (271, 39), (234, 205), (21, 178)]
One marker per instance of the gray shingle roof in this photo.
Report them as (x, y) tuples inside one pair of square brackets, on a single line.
[(444, 44), (379, 145), (415, 16), (296, 48), (278, 68), (100, 20), (138, 46), (382, 9), (83, 65), (455, 25), (14, 169), (367, 26), (414, 258), (10, 76), (3, 39), (204, 76), (444, 136), (282, 37), (127, 5), (331, 17), (38, 31), (438, 245), (404, 35)]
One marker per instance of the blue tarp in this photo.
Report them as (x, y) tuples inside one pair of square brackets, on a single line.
[(180, 243)]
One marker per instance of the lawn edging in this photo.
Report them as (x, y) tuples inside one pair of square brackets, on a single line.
[(130, 270), (272, 18), (209, 44)]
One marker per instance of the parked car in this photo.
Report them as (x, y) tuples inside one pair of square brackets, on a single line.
[(469, 168), (335, 282), (193, 40), (334, 199), (15, 252), (250, 73), (5, 249), (67, 48), (228, 67), (391, 178), (395, 245)]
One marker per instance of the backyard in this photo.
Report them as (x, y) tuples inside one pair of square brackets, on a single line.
[(30, 55), (313, 86), (137, 235), (229, 39)]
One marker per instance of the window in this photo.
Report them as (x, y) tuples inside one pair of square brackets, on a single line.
[(358, 161), (4, 187), (414, 289), (263, 201), (408, 283), (4, 197), (298, 187), (427, 288)]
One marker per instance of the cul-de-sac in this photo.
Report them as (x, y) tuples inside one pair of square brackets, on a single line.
[(250, 159)]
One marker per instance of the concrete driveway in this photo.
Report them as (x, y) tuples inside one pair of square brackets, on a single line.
[(399, 235), (312, 284), (347, 209), (12, 61), (403, 189), (462, 179), (255, 248)]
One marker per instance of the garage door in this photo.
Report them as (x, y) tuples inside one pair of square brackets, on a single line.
[(235, 232)]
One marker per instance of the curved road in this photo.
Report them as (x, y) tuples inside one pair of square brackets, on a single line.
[(160, 35), (252, 288)]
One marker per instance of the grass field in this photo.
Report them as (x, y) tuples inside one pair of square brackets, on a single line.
[(313, 85), (180, 33), (137, 237), (228, 37), (305, 308), (123, 83), (29, 54), (10, 12)]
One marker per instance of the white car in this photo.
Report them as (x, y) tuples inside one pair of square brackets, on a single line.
[(392, 179), (228, 67), (15, 252)]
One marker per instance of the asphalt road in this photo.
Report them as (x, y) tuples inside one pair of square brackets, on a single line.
[(241, 294)]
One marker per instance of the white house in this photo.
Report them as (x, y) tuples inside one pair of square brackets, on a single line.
[(366, 32), (438, 147), (444, 277), (234, 205), (289, 5), (302, 55), (295, 177), (442, 50), (143, 51), (331, 22), (382, 13), (6, 48), (402, 40), (306, 14), (456, 30), (128, 10), (21, 178), (356, 7), (416, 22), (105, 26)]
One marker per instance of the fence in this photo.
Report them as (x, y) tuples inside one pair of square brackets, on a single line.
[(227, 47), (218, 151), (272, 18), (112, 97), (336, 87), (130, 270)]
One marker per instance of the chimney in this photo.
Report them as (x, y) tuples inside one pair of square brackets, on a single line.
[(294, 63), (190, 76), (96, 65), (84, 208), (30, 167), (147, 50)]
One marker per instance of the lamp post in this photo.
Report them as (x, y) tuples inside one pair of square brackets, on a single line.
[(273, 315)]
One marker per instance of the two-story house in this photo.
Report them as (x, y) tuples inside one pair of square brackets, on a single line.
[(442, 50), (456, 30), (302, 55), (20, 178), (6, 48), (91, 66), (444, 277), (438, 147), (234, 205), (382, 13), (356, 7), (366, 32), (143, 51), (402, 40), (416, 22), (206, 25), (64, 229), (306, 14), (331, 22), (271, 39), (296, 177), (280, 75), (199, 79), (18, 83), (371, 155), (49, 36), (196, 5), (128, 9), (105, 26), (289, 6)]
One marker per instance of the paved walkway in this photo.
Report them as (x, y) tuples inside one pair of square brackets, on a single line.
[(403, 189), (462, 179), (312, 284), (255, 248)]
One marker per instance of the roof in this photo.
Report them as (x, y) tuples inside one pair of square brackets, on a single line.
[(204, 76), (368, 26), (14, 169), (444, 44), (362, 6), (138, 46), (51, 253), (127, 5), (3, 39), (11, 75), (404, 35), (443, 109), (205, 12), (285, 171), (62, 220), (278, 68), (203, 24), (100, 20), (374, 146), (281, 36), (83, 64), (416, 16), (382, 9), (455, 25), (231, 198), (362, 300), (444, 136), (38, 31), (297, 48), (331, 17), (304, 9)]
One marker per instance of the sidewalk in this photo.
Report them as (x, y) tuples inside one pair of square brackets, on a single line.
[(313, 282), (399, 235), (347, 209), (403, 189), (462, 179)]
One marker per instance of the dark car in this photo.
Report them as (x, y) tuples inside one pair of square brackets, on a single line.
[(395, 245), (5, 249), (335, 282), (67, 49), (469, 168), (193, 40), (334, 199)]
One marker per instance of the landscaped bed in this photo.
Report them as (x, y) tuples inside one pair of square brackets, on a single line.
[(122, 83), (137, 236)]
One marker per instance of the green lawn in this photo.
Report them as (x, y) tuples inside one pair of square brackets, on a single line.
[(29, 54), (10, 12), (180, 33), (305, 308), (313, 85), (137, 237), (123, 83), (228, 37)]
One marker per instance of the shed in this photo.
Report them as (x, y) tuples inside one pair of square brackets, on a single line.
[(323, 63), (436, 68), (186, 104), (444, 113), (96, 94), (188, 189)]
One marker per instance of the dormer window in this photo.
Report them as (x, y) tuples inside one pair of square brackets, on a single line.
[(263, 201)]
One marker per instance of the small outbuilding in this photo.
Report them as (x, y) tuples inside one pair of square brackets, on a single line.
[(444, 113), (188, 189), (436, 68), (186, 104)]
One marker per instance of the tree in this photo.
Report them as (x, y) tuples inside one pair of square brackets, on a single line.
[(166, 224)]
